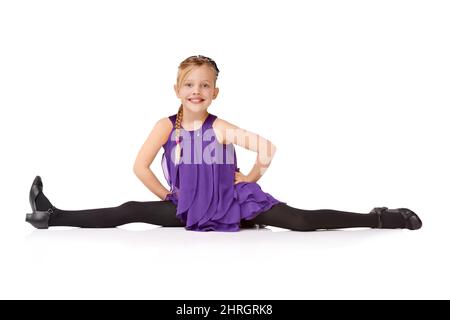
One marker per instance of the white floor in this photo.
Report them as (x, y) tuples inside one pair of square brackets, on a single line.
[(147, 262)]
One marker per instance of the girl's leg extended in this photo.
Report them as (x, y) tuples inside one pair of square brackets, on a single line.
[(162, 213), (283, 216)]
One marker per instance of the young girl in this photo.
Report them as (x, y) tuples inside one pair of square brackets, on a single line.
[(207, 190)]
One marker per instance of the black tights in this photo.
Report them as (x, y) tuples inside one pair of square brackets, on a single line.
[(162, 213)]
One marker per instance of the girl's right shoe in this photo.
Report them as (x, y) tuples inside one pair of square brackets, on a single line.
[(39, 219), (35, 190)]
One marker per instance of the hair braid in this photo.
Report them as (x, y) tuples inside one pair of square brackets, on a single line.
[(177, 134)]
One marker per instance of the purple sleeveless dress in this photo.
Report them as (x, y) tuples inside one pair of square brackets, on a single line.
[(202, 185)]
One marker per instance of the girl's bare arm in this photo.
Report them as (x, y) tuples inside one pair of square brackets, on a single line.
[(229, 133), (156, 139)]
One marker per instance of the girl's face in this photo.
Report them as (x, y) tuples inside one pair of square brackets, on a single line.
[(197, 90)]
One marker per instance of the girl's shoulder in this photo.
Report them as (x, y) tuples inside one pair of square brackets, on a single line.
[(163, 128), (221, 127), (166, 122), (223, 124)]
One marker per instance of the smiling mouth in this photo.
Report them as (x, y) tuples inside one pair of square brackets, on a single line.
[(196, 100)]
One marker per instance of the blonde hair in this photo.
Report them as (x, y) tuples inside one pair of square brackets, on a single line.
[(184, 68)]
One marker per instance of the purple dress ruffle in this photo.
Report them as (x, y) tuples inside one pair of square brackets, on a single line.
[(202, 185)]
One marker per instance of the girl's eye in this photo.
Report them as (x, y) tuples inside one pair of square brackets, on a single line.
[(190, 84)]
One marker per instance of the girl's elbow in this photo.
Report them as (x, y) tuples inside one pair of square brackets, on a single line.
[(273, 150), (138, 169)]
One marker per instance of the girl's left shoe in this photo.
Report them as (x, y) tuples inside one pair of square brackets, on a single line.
[(411, 219)]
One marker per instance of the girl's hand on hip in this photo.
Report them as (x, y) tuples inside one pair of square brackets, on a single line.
[(240, 177)]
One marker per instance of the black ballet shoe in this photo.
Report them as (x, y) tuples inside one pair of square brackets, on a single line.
[(412, 220), (39, 219), (35, 190)]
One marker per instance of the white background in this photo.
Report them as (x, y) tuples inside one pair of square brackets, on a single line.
[(354, 94)]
